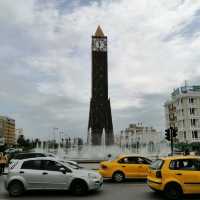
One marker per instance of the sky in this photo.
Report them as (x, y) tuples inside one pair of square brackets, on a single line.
[(45, 60)]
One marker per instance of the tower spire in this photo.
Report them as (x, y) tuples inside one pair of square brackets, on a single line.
[(99, 32)]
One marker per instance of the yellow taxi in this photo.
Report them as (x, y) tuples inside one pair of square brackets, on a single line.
[(175, 176), (125, 166)]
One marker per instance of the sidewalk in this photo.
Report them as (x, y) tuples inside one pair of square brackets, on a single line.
[(5, 171)]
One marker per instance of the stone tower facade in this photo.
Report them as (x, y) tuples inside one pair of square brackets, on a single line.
[(100, 117)]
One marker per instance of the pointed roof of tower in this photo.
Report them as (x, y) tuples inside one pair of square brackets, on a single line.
[(99, 32)]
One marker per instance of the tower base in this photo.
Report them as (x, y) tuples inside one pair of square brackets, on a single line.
[(100, 119)]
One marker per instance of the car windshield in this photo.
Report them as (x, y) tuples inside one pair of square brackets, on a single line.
[(157, 164), (117, 157), (73, 165)]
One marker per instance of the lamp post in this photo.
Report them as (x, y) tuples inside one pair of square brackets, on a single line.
[(61, 138), (54, 136)]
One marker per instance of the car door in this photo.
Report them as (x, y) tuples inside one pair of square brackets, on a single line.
[(54, 177), (31, 171), (130, 166), (137, 167), (187, 171), (143, 167)]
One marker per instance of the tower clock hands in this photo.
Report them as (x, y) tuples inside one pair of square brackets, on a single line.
[(99, 44)]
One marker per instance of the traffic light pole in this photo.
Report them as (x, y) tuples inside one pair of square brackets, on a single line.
[(170, 134), (172, 142)]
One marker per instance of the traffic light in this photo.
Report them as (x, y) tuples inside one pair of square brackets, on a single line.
[(174, 132), (167, 134)]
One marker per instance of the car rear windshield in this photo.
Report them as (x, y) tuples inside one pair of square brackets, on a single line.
[(156, 165)]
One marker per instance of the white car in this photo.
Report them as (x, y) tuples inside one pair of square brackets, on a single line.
[(45, 173), (10, 150)]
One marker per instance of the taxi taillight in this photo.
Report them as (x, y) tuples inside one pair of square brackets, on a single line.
[(104, 167), (158, 174)]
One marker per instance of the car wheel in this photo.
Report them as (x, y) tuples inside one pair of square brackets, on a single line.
[(118, 177), (79, 188), (173, 191), (15, 188)]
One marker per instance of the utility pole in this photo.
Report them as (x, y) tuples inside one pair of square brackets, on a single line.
[(172, 141)]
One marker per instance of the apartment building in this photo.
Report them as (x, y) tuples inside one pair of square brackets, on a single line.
[(138, 136), (7, 130), (183, 112)]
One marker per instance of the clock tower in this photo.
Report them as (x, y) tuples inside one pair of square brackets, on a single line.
[(100, 117)]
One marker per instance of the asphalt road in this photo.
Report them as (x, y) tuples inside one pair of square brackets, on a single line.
[(130, 190)]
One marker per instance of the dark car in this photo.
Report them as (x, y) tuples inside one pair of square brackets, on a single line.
[(20, 156)]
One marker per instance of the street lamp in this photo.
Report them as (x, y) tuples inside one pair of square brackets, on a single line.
[(54, 136)]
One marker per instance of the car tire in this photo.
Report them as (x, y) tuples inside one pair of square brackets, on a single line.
[(15, 188), (79, 187), (173, 191), (118, 177)]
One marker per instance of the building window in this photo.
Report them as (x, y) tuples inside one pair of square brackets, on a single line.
[(192, 111), (184, 135), (181, 100), (193, 122), (183, 123), (191, 100), (194, 134)]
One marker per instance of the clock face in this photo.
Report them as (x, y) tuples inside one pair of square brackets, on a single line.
[(99, 44)]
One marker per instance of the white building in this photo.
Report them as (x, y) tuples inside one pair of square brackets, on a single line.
[(183, 111), (139, 137)]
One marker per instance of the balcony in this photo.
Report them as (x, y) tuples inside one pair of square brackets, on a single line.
[(172, 118)]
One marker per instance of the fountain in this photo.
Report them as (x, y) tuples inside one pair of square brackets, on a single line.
[(87, 152)]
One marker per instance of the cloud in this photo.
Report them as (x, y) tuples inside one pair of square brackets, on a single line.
[(45, 59)]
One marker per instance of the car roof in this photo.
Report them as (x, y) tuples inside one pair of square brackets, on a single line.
[(40, 158), (129, 155), (180, 157)]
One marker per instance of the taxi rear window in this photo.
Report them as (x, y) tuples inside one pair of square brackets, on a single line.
[(156, 165), (185, 164)]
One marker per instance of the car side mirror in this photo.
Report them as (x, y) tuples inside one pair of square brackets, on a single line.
[(63, 170)]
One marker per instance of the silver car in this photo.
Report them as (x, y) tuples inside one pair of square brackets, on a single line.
[(45, 173)]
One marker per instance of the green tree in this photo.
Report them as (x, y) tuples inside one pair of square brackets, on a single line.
[(21, 141)]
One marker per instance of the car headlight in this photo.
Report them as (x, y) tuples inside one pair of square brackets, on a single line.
[(93, 176)]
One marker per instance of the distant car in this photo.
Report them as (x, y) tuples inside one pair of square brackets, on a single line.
[(24, 155), (125, 166), (47, 173), (175, 176), (10, 150)]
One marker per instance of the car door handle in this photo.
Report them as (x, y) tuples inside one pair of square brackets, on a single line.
[(179, 174), (21, 172), (44, 173), (123, 166)]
